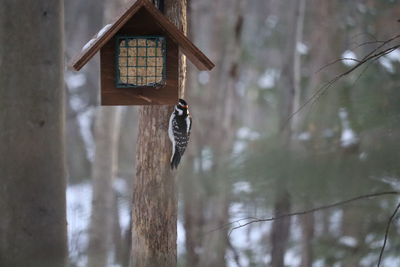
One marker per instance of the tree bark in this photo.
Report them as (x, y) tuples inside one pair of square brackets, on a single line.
[(32, 191), (154, 212)]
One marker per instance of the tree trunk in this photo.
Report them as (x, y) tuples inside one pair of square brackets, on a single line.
[(104, 170), (290, 92), (105, 166), (32, 191), (280, 230), (307, 234), (154, 214)]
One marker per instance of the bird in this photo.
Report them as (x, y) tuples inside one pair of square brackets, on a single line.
[(180, 125)]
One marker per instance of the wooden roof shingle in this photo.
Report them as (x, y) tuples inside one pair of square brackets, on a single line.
[(201, 61)]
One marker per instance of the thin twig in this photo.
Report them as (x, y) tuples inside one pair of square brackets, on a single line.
[(230, 223), (370, 56), (387, 233), (337, 60), (329, 206)]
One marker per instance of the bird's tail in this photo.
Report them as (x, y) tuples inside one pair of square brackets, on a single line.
[(176, 158)]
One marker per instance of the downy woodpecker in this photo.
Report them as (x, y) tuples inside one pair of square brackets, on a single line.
[(180, 124)]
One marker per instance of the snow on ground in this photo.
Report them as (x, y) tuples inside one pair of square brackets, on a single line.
[(79, 207), (79, 198)]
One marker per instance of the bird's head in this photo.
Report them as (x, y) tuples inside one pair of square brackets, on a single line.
[(182, 107)]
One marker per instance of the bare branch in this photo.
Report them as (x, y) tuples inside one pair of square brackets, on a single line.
[(337, 60), (370, 56), (387, 233), (329, 206)]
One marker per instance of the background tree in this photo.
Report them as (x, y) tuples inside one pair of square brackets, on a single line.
[(32, 192), (104, 171)]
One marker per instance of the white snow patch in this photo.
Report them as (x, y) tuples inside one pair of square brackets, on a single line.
[(79, 198), (292, 258), (304, 136), (241, 187), (335, 221), (319, 263), (387, 64), (203, 77), (393, 181), (390, 260), (348, 137), (348, 241), (103, 31), (88, 44), (76, 102), (394, 55), (268, 79), (388, 60), (75, 80), (124, 208), (238, 147), (84, 120), (302, 48), (349, 58), (181, 238), (248, 134)]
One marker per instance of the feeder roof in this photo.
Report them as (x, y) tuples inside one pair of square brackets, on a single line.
[(193, 53)]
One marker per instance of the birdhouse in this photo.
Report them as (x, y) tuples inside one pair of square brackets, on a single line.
[(139, 57)]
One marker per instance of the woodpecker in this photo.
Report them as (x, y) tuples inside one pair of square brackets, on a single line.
[(180, 124)]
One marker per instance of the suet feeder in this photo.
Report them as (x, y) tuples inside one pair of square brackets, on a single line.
[(139, 57)]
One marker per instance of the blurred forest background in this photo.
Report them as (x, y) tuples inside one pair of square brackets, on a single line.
[(246, 159)]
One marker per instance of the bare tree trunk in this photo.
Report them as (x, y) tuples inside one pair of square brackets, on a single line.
[(105, 166), (307, 234), (104, 170), (280, 230), (32, 191), (200, 214), (290, 92), (154, 192), (300, 14)]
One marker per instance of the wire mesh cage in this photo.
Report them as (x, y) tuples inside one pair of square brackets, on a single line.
[(141, 61)]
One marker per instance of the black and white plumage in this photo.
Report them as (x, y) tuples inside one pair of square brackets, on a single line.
[(180, 124)]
